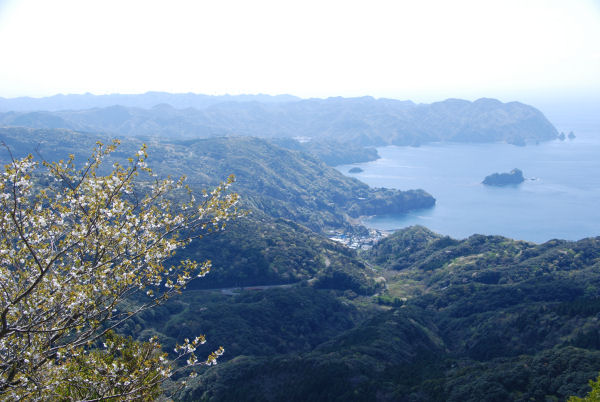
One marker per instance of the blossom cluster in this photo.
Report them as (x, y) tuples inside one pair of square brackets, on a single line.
[(74, 244)]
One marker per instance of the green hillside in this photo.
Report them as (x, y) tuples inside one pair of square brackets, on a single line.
[(265, 251), (278, 182), (485, 318)]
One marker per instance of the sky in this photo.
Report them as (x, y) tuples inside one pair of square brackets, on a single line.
[(424, 50)]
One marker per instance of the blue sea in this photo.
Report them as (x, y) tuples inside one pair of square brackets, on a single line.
[(559, 199)]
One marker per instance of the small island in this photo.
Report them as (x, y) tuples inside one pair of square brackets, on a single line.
[(355, 170), (505, 179)]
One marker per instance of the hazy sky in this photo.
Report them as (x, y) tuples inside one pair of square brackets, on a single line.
[(420, 49)]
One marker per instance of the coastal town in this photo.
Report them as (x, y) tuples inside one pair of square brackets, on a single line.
[(356, 241)]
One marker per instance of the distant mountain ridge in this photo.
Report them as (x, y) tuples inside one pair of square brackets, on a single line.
[(361, 121), (147, 100)]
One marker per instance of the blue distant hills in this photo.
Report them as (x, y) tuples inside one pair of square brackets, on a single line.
[(363, 121)]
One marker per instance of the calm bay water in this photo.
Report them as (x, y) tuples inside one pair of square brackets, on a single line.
[(559, 199)]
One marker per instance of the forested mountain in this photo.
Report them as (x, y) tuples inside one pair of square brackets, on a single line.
[(332, 152), (361, 121), (278, 182), (260, 250), (485, 318)]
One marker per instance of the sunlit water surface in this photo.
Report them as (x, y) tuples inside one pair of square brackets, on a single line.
[(559, 199)]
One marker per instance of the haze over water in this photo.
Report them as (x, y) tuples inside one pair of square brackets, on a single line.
[(559, 199)]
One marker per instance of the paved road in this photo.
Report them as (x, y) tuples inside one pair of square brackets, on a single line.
[(233, 291)]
